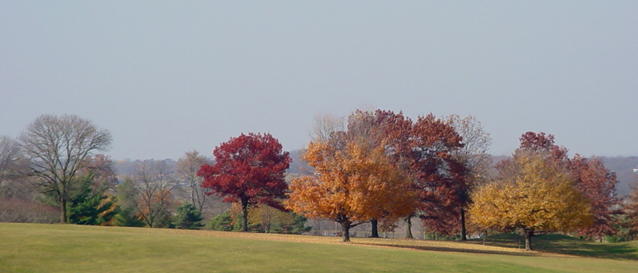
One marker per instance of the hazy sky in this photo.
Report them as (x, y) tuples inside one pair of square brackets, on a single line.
[(170, 76)]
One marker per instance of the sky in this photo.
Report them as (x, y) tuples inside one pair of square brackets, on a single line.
[(166, 77)]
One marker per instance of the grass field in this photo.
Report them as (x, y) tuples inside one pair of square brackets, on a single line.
[(70, 248)]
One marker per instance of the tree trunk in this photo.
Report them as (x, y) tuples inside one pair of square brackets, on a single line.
[(244, 216), (528, 238), (375, 229), (463, 231), (63, 217), (345, 230), (408, 230), (193, 198)]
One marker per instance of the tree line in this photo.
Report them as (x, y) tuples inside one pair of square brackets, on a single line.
[(378, 167), (58, 163)]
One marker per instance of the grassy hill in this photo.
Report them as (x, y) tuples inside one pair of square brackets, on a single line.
[(70, 248)]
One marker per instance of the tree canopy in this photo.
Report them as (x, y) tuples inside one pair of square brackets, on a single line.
[(248, 169), (532, 194), (353, 183)]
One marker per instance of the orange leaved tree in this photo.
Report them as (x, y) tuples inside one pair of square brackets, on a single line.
[(353, 183)]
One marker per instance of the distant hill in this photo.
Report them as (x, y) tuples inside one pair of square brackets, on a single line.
[(298, 165), (623, 167), (128, 167)]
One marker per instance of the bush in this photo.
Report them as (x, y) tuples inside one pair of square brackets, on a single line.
[(27, 211), (297, 225), (262, 219), (221, 222), (615, 238), (127, 218)]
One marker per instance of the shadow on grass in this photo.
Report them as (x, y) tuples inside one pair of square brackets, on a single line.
[(557, 243), (448, 249)]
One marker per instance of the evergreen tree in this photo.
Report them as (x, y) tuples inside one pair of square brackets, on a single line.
[(126, 200), (91, 206), (126, 217), (188, 217)]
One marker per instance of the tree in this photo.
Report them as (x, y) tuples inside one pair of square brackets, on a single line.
[(271, 220), (593, 180), (90, 202), (188, 217), (387, 130), (100, 168), (351, 184), (325, 125), (630, 209), (422, 150), (155, 207), (438, 177), (248, 169), (10, 158), (127, 218), (533, 194), (154, 184), (91, 206), (15, 182), (598, 185), (474, 158), (187, 168), (222, 222), (127, 198), (57, 146), (265, 216), (294, 224)]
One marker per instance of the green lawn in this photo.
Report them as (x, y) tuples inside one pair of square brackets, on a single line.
[(556, 243), (69, 248)]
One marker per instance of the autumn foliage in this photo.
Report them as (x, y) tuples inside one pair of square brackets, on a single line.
[(439, 177), (415, 156), (598, 185), (353, 184), (630, 208), (592, 179), (424, 150), (532, 194), (248, 169)]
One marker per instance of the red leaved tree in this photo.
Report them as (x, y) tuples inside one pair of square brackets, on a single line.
[(440, 178), (248, 169), (423, 150), (599, 185)]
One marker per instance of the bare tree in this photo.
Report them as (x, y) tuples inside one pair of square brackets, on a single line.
[(325, 126), (14, 171), (100, 168), (187, 168), (473, 155), (57, 146), (10, 157), (154, 182), (476, 142)]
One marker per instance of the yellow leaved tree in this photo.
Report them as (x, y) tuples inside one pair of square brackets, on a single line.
[(353, 183), (533, 194)]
